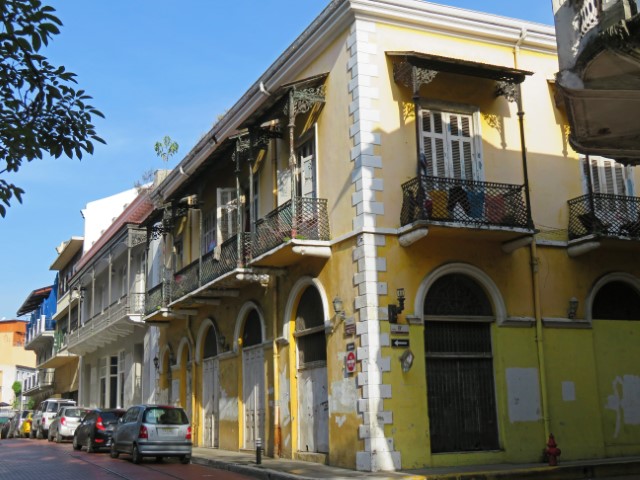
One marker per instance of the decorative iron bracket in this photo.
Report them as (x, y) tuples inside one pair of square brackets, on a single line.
[(508, 90), (412, 76), (303, 100)]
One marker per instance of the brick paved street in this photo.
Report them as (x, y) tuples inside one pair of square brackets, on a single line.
[(25, 459)]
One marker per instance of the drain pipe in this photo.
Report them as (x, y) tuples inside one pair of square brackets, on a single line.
[(277, 432), (535, 275)]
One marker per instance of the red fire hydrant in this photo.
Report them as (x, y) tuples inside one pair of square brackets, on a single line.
[(552, 451)]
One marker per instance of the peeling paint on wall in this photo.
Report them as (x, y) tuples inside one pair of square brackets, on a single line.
[(625, 401), (285, 401), (228, 407), (523, 393), (340, 420), (344, 396)]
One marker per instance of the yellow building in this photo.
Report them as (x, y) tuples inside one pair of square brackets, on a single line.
[(385, 255)]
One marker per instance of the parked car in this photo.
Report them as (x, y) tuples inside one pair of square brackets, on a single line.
[(153, 431), (43, 415), (96, 428), (5, 423), (16, 423), (25, 427), (64, 424)]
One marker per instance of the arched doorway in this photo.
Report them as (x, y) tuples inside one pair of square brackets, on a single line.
[(210, 389), (313, 399), (459, 366), (615, 315), (253, 379)]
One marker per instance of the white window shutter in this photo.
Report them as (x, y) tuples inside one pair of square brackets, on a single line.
[(226, 213), (284, 186), (433, 143)]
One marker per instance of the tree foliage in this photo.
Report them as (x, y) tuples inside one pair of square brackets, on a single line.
[(41, 112), (166, 149)]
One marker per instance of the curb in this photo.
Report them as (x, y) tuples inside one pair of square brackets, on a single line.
[(255, 472)]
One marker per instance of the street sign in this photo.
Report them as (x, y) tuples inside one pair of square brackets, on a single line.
[(400, 342), (350, 358), (399, 329)]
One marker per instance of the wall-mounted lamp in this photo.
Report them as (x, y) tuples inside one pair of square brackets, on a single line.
[(395, 310), (338, 307), (406, 360), (156, 363), (573, 308)]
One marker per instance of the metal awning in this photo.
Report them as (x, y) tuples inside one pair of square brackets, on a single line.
[(458, 66), (34, 300)]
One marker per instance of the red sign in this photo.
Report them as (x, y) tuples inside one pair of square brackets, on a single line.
[(350, 361)]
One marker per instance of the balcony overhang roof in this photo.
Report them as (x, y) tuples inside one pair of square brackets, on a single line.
[(34, 300), (460, 67), (71, 247)]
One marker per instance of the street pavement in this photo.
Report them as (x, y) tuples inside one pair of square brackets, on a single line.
[(24, 459), (28, 459)]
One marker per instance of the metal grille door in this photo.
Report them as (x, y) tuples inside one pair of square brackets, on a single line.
[(460, 387)]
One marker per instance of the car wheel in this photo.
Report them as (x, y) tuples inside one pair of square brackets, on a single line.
[(135, 455), (114, 453), (39, 434), (75, 444), (91, 448), (49, 437), (185, 459), (58, 437)]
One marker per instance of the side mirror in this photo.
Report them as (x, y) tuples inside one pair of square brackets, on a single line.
[(121, 420)]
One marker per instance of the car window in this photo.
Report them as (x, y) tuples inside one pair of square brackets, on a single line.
[(165, 416), (109, 418), (131, 415), (52, 407), (72, 412)]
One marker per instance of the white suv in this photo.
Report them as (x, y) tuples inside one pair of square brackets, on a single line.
[(43, 415)]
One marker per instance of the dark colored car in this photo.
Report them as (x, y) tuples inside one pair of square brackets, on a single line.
[(96, 429)]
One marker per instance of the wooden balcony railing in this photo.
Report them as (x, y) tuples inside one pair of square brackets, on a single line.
[(604, 215), (464, 202)]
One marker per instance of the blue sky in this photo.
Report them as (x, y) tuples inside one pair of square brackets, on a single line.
[(154, 68)]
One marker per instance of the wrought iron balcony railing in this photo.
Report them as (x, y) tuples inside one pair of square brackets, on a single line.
[(303, 219), (464, 202), (604, 215), (157, 298)]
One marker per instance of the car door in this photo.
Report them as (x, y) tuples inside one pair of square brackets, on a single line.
[(127, 429), (87, 428)]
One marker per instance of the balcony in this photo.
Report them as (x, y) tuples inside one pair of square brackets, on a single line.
[(61, 355), (599, 78), (201, 281), (115, 321), (39, 333), (39, 382), (450, 206), (296, 228), (599, 217)]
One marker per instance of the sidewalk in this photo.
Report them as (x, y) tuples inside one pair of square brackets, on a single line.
[(285, 469)]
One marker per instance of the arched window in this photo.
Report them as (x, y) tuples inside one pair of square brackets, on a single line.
[(617, 300), (210, 344), (252, 333), (457, 294), (311, 340)]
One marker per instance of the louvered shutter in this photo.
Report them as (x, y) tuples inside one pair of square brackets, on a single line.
[(461, 146), (433, 143), (227, 214)]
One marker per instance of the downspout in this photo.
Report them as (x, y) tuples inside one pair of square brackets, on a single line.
[(194, 412), (277, 432), (535, 274)]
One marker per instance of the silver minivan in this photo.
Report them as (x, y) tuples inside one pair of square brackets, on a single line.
[(153, 431)]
